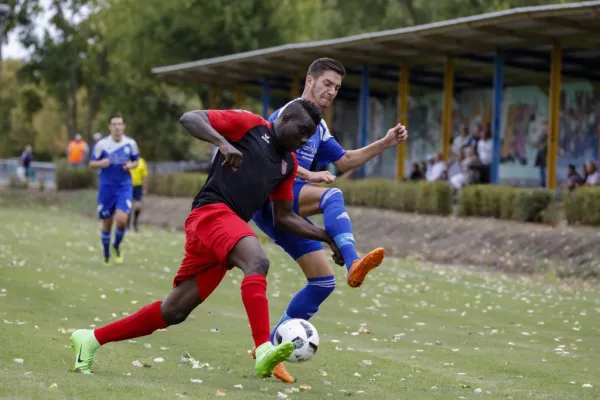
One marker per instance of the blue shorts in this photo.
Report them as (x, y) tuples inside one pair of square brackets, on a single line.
[(138, 192), (295, 246), (114, 197)]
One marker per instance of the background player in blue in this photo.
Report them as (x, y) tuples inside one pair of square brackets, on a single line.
[(323, 80), (114, 155)]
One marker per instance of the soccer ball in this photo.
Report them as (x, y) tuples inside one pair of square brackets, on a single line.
[(304, 336)]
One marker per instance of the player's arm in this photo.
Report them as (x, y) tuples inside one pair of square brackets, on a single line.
[(134, 157), (99, 158), (145, 178), (357, 158), (198, 125), (220, 127)]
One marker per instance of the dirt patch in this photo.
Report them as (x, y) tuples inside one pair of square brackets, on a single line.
[(507, 246)]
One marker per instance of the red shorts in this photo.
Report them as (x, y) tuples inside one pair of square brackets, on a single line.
[(211, 232)]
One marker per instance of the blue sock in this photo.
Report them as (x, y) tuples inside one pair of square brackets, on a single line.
[(105, 236), (119, 233), (338, 225), (306, 302)]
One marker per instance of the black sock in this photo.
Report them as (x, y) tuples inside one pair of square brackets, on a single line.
[(136, 214)]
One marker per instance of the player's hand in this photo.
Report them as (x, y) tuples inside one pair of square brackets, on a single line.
[(104, 163), (128, 166), (337, 254), (321, 177), (233, 157), (396, 135)]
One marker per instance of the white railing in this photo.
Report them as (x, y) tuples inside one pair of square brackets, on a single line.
[(47, 170)]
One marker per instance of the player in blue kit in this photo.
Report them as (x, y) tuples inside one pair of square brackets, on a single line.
[(323, 80), (114, 155)]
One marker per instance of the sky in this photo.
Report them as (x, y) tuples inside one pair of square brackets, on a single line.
[(13, 49)]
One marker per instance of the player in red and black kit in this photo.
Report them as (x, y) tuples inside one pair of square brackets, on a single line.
[(255, 163)]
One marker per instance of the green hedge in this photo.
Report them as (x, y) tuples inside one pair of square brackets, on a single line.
[(505, 202), (582, 206), (72, 178), (492, 201), (176, 184), (423, 198)]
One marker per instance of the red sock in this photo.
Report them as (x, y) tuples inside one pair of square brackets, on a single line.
[(142, 323), (254, 296)]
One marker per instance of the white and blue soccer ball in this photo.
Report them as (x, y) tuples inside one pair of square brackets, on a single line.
[(304, 336)]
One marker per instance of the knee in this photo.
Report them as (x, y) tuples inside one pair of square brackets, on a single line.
[(173, 315), (257, 265), (331, 196)]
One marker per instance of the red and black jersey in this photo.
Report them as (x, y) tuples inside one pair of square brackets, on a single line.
[(267, 170)]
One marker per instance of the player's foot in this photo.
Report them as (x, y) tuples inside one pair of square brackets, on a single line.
[(85, 345), (106, 260), (360, 268), (118, 256), (279, 372), (268, 356)]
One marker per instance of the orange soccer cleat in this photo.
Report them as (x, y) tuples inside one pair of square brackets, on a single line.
[(360, 268)]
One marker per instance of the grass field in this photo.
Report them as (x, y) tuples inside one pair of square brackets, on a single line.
[(436, 333)]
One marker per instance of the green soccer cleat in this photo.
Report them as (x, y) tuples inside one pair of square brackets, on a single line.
[(268, 356), (117, 256), (85, 345)]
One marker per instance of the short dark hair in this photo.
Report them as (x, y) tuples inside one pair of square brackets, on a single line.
[(322, 65), (311, 109), (115, 115)]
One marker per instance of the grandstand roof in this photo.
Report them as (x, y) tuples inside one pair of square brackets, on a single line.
[(525, 35)]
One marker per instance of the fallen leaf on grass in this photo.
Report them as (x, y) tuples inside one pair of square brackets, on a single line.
[(136, 363), (220, 393), (587, 385), (238, 386), (53, 386), (196, 380), (159, 359), (305, 387), (18, 360), (363, 329)]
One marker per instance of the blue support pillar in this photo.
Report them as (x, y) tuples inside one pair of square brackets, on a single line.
[(266, 99), (497, 117), (364, 114)]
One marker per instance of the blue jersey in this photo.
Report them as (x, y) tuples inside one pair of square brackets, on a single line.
[(119, 153), (321, 146)]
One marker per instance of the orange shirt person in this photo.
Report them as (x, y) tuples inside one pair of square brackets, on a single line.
[(77, 151)]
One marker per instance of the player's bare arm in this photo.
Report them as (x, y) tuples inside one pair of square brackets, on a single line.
[(103, 163), (357, 158), (286, 219), (130, 165), (315, 176), (198, 125)]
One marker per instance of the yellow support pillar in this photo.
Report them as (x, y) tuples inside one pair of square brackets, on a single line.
[(214, 98), (239, 97), (447, 108), (295, 89), (553, 113), (403, 119)]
